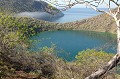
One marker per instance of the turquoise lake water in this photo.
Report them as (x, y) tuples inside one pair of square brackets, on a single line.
[(69, 43)]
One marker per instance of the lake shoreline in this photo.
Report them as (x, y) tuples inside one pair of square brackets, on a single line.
[(70, 42)]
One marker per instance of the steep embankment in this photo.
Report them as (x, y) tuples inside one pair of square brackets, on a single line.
[(100, 23)]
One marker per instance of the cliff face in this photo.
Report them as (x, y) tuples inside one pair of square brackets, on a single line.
[(21, 6)]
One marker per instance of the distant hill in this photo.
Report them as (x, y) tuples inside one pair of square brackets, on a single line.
[(24, 5), (100, 23), (19, 6)]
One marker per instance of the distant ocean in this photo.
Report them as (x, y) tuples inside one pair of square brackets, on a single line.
[(75, 14)]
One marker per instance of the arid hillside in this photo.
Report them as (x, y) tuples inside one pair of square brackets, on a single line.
[(100, 23)]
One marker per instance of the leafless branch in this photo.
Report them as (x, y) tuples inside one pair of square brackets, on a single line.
[(94, 4)]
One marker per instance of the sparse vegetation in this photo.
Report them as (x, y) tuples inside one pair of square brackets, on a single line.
[(100, 23), (17, 62), (17, 6)]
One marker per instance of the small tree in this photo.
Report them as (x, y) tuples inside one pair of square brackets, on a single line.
[(94, 4)]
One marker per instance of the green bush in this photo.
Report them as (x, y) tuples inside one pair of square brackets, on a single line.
[(91, 60), (92, 56)]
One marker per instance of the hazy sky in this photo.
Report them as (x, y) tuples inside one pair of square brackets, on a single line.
[(101, 6), (82, 5)]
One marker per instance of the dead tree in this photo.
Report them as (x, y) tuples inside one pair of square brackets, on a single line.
[(116, 59), (94, 4)]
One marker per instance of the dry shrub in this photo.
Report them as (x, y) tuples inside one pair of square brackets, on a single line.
[(48, 65), (87, 62), (14, 53)]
